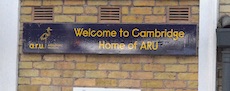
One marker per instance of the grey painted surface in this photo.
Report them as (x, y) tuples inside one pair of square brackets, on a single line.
[(9, 44)]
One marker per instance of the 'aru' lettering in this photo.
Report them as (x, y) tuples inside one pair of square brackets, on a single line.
[(149, 45), (36, 46)]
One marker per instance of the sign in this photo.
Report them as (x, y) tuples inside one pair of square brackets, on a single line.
[(157, 39)]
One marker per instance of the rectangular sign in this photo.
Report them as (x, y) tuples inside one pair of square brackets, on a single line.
[(158, 39)]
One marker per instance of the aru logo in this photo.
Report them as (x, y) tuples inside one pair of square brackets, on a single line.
[(45, 35), (45, 45)]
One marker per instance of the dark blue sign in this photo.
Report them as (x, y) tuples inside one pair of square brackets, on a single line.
[(158, 39)]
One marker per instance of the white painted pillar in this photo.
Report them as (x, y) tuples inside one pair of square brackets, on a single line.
[(207, 44), (9, 21)]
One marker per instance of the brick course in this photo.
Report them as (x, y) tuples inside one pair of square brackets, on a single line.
[(61, 72)]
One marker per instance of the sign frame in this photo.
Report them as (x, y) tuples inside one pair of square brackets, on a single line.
[(44, 34)]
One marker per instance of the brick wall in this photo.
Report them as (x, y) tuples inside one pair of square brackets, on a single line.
[(62, 72)]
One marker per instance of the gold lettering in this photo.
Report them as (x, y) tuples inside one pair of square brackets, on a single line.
[(93, 34), (113, 33), (170, 34), (157, 34), (78, 32), (86, 33), (155, 45), (149, 45), (107, 45), (99, 33), (133, 32), (175, 34), (143, 46), (36, 46), (101, 45), (181, 34), (31, 46)]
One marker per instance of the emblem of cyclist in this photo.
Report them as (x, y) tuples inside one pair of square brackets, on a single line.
[(45, 35)]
